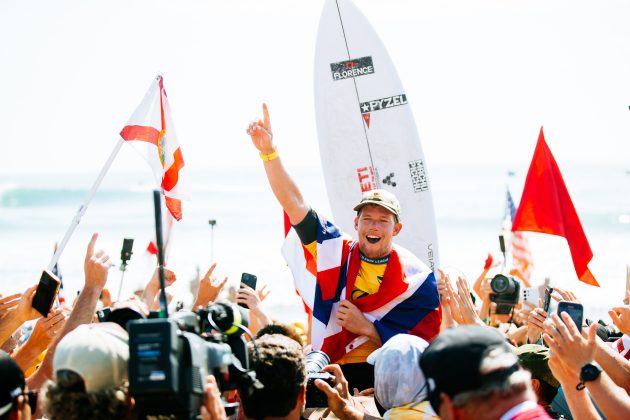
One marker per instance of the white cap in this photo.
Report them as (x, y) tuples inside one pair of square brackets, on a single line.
[(396, 359), (97, 352)]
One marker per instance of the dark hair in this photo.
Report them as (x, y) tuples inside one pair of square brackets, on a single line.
[(547, 392), (282, 329), (67, 399), (279, 366)]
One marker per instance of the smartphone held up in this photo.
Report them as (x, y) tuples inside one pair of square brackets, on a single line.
[(250, 281), (574, 310), (46, 292)]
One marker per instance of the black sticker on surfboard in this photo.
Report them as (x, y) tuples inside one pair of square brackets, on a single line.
[(352, 68), (389, 180), (418, 176), (384, 103)]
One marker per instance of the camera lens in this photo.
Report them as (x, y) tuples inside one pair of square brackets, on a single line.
[(316, 361), (501, 284)]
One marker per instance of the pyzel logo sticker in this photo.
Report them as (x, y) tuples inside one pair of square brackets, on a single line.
[(352, 68), (384, 103), (389, 180), (366, 178), (418, 176)]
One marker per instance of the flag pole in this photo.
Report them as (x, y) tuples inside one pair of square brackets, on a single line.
[(77, 217)]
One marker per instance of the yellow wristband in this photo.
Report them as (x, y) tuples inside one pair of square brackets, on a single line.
[(271, 156)]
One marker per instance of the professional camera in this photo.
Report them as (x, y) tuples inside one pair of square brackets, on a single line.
[(315, 362), (608, 333), (505, 293), (169, 360)]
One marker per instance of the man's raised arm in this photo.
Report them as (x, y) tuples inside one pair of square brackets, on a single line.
[(285, 190)]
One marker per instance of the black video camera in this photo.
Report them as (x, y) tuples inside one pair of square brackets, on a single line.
[(169, 360), (315, 362), (505, 293)]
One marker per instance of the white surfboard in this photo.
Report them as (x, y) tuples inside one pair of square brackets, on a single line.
[(367, 134)]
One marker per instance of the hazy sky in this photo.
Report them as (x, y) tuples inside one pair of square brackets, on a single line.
[(481, 77)]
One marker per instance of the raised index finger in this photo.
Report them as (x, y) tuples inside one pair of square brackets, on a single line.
[(267, 122), (90, 247), (210, 270)]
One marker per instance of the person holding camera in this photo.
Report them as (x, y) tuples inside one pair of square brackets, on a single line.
[(362, 292)]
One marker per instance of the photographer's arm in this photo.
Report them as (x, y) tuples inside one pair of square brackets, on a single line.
[(286, 191), (339, 399)]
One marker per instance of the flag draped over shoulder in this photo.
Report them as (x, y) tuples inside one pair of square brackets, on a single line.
[(406, 302), (521, 255), (151, 131), (546, 207)]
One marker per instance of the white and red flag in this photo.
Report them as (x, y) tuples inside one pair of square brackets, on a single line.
[(151, 131)]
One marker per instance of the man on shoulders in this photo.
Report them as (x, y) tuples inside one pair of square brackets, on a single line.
[(361, 292)]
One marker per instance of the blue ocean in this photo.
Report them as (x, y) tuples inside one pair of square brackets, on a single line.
[(36, 210)]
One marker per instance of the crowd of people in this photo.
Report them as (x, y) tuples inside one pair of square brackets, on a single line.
[(397, 340)]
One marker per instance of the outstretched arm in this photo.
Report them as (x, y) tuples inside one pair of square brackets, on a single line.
[(283, 187)]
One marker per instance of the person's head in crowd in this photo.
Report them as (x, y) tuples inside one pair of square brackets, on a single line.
[(279, 365), (128, 310), (13, 404), (90, 365), (398, 379), (473, 373), (282, 329), (535, 359)]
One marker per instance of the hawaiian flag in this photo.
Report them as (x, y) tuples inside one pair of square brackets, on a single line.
[(151, 131), (521, 255), (406, 302)]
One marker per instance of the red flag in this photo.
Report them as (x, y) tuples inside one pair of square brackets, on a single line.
[(546, 207), (150, 130), (152, 248)]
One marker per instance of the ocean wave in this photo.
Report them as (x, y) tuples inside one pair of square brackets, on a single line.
[(37, 197)]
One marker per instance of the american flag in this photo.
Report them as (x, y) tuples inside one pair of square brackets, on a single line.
[(521, 255)]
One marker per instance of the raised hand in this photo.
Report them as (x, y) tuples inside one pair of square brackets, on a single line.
[(453, 303), (260, 132), (24, 310), (263, 293), (209, 288), (8, 302), (565, 295), (248, 296), (467, 308), (169, 277), (46, 329), (575, 349), (96, 266), (621, 317), (535, 323)]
